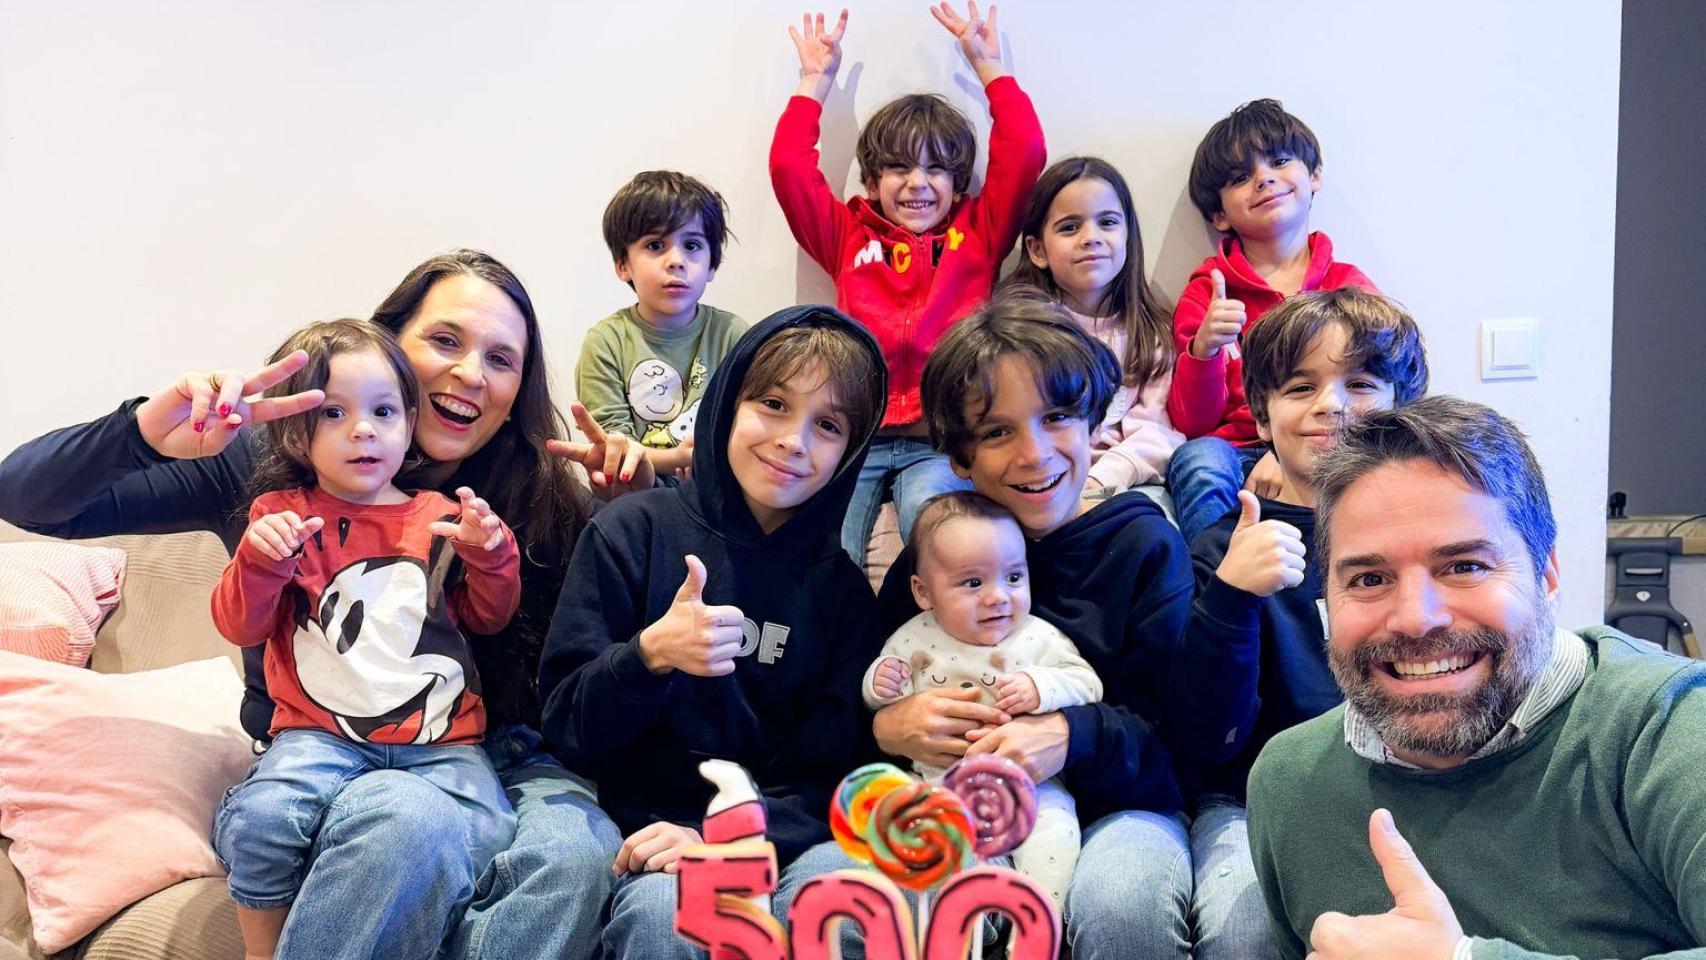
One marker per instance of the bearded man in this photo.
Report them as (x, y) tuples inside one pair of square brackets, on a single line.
[(1552, 785)]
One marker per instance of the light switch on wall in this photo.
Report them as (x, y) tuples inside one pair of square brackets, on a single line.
[(1510, 349)]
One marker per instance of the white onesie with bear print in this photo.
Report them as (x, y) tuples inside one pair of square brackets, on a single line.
[(1037, 649)]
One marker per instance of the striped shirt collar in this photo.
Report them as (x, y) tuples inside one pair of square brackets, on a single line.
[(1563, 673)]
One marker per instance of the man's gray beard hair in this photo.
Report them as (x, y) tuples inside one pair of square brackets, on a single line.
[(1480, 714)]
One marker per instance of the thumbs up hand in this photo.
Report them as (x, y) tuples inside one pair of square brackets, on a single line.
[(1221, 324), (1264, 556), (1421, 924), (690, 636)]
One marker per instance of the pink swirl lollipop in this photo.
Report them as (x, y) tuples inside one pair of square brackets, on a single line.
[(1001, 798)]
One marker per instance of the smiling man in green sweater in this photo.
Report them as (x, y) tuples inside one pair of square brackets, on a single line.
[(1552, 785)]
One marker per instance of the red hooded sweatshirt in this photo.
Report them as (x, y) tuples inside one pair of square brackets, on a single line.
[(906, 288), (1207, 398)]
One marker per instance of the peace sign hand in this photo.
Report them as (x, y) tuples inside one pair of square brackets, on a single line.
[(199, 414), (615, 463)]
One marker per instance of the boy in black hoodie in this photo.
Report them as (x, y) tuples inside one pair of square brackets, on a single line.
[(1011, 394), (1254, 660), (721, 619)]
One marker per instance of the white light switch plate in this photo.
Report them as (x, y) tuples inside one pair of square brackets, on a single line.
[(1510, 349)]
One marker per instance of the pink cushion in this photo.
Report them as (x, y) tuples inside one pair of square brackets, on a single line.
[(109, 783), (53, 597)]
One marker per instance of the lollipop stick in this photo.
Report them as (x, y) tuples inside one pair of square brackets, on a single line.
[(923, 914), (977, 938)]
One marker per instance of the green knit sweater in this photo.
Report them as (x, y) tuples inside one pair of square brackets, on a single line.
[(1587, 839)]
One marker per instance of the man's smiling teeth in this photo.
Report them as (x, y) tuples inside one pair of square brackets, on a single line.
[(1042, 487), (1432, 668)]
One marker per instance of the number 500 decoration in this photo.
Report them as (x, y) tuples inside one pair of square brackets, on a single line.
[(917, 834)]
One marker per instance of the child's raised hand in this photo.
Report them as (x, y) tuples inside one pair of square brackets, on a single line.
[(199, 414), (889, 682), (980, 40), (279, 535), (820, 49), (1016, 693), (690, 636), (1222, 324), (1264, 556), (478, 526)]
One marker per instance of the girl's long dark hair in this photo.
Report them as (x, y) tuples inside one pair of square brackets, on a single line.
[(1148, 325), (534, 492)]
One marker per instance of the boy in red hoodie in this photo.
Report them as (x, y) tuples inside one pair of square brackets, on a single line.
[(915, 253), (1254, 177)]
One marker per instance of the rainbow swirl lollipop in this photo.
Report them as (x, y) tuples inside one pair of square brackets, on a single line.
[(920, 835), (850, 809), (1001, 797)]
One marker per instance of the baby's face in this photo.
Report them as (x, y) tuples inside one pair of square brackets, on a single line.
[(972, 576)]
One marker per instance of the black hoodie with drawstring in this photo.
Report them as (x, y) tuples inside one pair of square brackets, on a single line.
[(790, 712)]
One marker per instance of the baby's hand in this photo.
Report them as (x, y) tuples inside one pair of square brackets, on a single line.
[(479, 526), (1016, 693), (1221, 325), (1264, 556), (890, 681), (279, 535)]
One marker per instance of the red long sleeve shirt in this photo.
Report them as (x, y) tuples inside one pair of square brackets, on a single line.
[(363, 636), (1207, 397), (907, 288)]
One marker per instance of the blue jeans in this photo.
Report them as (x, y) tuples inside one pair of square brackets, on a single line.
[(1204, 478), (913, 470), (1228, 914), (642, 910), (544, 896), (1130, 895)]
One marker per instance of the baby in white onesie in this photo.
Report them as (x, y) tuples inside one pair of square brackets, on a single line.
[(977, 632)]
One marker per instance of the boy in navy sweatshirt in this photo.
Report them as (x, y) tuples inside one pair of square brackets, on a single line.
[(1254, 659), (721, 619), (1011, 395)]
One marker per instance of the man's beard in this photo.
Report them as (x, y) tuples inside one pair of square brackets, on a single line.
[(1461, 724)]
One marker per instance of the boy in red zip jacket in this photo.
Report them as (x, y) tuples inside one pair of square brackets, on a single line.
[(1254, 177), (915, 253)]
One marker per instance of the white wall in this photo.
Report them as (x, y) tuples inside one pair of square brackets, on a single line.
[(182, 183)]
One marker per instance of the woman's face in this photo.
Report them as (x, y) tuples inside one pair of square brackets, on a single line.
[(468, 344)]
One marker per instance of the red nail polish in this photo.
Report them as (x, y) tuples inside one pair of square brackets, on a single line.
[(199, 425), (225, 409)]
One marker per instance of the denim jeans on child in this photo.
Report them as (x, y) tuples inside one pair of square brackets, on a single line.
[(544, 896), (914, 471), (270, 826), (1204, 478), (1229, 918)]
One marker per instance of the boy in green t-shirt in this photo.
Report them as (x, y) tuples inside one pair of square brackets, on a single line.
[(643, 368)]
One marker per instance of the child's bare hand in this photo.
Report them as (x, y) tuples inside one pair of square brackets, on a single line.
[(1016, 693), (690, 636), (819, 49), (1266, 479), (654, 848), (1221, 325), (1264, 556), (890, 680), (478, 526), (279, 535), (980, 40)]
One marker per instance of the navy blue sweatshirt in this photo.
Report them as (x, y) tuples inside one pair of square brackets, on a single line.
[(790, 712), (1117, 581), (1251, 666), (101, 478)]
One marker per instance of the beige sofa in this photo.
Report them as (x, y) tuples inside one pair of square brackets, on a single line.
[(162, 619)]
